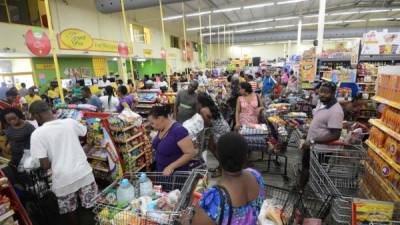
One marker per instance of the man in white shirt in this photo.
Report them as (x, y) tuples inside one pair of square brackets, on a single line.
[(56, 144)]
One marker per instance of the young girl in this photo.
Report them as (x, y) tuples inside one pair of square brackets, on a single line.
[(109, 101), (18, 133)]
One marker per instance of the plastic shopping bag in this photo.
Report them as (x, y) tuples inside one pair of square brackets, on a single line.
[(194, 125), (28, 162)]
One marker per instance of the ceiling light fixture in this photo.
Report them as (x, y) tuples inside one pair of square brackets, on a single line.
[(261, 21), (290, 2), (375, 11), (226, 10), (243, 31), (309, 24), (344, 13), (258, 5), (283, 26), (333, 22), (238, 24), (354, 21), (262, 28), (286, 18), (198, 14), (381, 19), (172, 18), (311, 16), (395, 10)]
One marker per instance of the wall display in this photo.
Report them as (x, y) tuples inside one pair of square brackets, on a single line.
[(307, 70), (37, 42), (382, 43), (76, 39)]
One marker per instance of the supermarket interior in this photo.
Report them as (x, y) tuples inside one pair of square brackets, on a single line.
[(134, 112)]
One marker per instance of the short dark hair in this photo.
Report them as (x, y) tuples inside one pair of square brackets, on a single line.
[(86, 89), (12, 92), (232, 152), (38, 107), (7, 111), (247, 87), (23, 85), (123, 89), (158, 111), (330, 85)]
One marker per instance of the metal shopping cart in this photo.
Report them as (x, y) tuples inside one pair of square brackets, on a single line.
[(336, 168), (108, 212), (297, 205)]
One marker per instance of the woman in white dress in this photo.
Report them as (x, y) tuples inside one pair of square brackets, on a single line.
[(109, 101)]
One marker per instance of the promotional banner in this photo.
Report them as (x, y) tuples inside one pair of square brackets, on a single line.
[(381, 43), (37, 42)]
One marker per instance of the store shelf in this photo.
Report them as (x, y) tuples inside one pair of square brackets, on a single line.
[(97, 158), (375, 58), (383, 155), (378, 123), (136, 146), (366, 83), (326, 79), (105, 170), (138, 156), (6, 215), (131, 138), (336, 59), (140, 168), (123, 129), (387, 102)]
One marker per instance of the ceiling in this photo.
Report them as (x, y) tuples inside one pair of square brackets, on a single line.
[(275, 16)]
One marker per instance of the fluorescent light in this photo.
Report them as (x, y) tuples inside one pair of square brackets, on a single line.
[(286, 18), (243, 31), (381, 19), (343, 13), (262, 28), (333, 22), (258, 5), (311, 16), (194, 28), (261, 21), (375, 11), (208, 34), (257, 44), (395, 10), (226, 10), (309, 24), (198, 13), (238, 24), (354, 21), (172, 17), (283, 26), (290, 2)]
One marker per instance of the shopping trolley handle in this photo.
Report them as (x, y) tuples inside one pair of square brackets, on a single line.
[(337, 142)]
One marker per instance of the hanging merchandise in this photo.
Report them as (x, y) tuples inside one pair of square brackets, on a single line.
[(37, 42), (123, 49)]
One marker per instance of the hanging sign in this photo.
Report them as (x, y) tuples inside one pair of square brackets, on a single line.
[(42, 78), (37, 42), (123, 49), (79, 40), (147, 52)]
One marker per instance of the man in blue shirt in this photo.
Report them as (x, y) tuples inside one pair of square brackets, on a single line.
[(92, 99), (268, 84)]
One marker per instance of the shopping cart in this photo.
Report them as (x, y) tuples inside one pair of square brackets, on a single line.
[(335, 169), (295, 205), (108, 212)]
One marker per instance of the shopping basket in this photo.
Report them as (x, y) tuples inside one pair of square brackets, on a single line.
[(109, 213), (335, 169), (295, 205)]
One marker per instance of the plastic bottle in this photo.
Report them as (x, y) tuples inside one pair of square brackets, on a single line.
[(145, 185), (125, 193)]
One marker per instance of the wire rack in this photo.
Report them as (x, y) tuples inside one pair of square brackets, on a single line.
[(109, 213)]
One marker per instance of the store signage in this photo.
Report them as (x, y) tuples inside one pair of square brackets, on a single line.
[(382, 43), (123, 50), (307, 70), (44, 66), (76, 39), (37, 42), (147, 52)]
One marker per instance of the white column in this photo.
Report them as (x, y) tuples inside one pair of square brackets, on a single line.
[(289, 50), (284, 50), (321, 25), (299, 25)]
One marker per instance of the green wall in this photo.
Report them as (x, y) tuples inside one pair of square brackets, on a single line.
[(112, 66), (50, 74), (150, 66)]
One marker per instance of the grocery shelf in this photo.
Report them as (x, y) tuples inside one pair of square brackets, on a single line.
[(140, 168), (123, 129), (379, 124), (6, 215), (366, 83), (97, 158), (136, 146), (138, 156), (335, 59), (326, 79), (387, 102), (373, 58), (105, 170), (383, 155), (384, 184), (130, 138)]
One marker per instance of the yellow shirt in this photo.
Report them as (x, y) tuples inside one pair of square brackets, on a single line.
[(30, 99), (242, 80), (53, 94), (94, 89), (114, 85)]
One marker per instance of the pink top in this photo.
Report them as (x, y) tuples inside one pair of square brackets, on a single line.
[(248, 111)]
